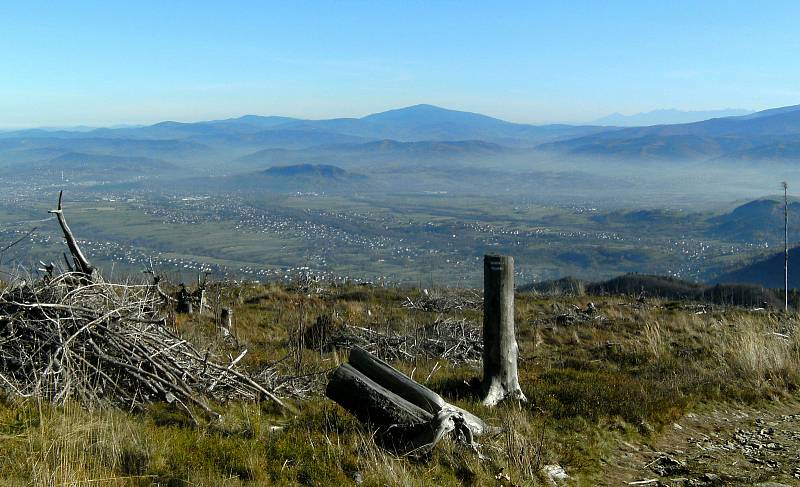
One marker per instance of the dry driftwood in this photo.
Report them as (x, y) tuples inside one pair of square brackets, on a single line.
[(409, 417)]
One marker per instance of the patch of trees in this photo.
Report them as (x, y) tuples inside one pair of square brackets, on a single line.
[(664, 287)]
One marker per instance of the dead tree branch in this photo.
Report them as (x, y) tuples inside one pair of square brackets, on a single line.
[(82, 264)]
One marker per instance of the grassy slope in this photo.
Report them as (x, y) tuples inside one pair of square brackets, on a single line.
[(591, 384)]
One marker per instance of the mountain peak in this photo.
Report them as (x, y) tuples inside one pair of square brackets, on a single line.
[(425, 114)]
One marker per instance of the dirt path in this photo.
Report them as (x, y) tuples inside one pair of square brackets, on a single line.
[(726, 445)]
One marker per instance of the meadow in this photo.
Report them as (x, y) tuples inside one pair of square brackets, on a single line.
[(620, 375)]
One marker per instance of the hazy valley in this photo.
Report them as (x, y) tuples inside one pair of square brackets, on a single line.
[(414, 195)]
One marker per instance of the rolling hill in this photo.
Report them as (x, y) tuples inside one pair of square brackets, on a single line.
[(82, 165), (376, 153), (419, 133), (321, 178), (753, 135), (757, 221), (767, 272)]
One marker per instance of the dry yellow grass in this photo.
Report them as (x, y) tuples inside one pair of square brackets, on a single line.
[(591, 385)]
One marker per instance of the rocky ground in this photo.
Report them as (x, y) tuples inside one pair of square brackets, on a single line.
[(720, 446)]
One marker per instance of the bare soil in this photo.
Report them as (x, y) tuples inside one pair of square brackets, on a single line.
[(719, 445)]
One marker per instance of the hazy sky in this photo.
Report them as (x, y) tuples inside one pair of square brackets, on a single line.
[(96, 63)]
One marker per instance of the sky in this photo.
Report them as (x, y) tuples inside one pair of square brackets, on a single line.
[(107, 62)]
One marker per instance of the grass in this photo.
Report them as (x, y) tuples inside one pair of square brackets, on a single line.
[(591, 385)]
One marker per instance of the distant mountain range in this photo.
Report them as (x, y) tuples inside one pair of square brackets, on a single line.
[(770, 135), (415, 123), (407, 136), (666, 117)]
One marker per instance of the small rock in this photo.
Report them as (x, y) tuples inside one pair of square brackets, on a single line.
[(555, 473), (666, 465)]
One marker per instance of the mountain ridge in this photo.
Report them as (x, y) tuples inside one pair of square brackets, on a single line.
[(667, 116)]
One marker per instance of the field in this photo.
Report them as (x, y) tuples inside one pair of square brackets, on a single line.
[(605, 389), (397, 238)]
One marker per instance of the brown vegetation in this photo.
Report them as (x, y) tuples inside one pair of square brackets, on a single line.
[(620, 373)]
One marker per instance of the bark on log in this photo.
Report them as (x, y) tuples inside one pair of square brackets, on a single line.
[(414, 392), (410, 418), (395, 381), (370, 402), (500, 350)]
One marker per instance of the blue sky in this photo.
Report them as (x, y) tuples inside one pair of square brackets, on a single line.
[(100, 63)]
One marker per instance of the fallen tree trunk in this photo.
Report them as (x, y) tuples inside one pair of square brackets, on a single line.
[(414, 392), (395, 381), (409, 417), (370, 402)]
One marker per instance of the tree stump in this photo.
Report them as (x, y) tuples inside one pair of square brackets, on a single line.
[(183, 301), (226, 320), (500, 350)]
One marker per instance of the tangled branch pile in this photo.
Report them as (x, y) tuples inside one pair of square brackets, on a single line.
[(73, 336), (105, 344), (286, 381), (445, 301), (456, 340)]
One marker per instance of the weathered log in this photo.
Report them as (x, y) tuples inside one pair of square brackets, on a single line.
[(421, 439), (500, 350), (82, 264), (370, 402), (414, 392), (410, 418), (395, 381)]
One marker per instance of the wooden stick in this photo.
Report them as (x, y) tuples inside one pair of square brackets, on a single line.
[(82, 263)]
